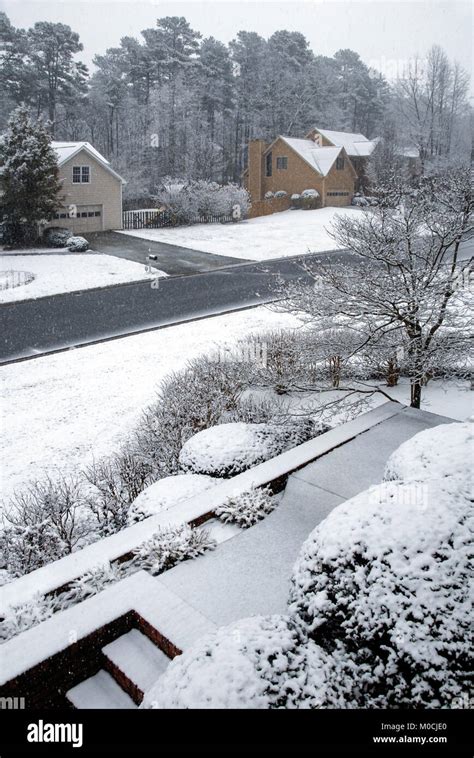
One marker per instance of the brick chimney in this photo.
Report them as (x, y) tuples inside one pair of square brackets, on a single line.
[(256, 168)]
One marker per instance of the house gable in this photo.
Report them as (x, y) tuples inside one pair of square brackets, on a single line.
[(92, 205)]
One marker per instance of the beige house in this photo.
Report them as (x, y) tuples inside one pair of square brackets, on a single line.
[(91, 190), (333, 163)]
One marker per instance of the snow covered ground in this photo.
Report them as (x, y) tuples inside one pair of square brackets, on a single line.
[(83, 403), (280, 235), (62, 410), (57, 273)]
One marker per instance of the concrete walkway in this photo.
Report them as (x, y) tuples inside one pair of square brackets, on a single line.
[(250, 573)]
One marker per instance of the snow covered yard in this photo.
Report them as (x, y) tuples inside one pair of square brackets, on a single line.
[(64, 272), (292, 232), (82, 404)]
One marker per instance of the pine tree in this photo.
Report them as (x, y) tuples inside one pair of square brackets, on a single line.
[(28, 177)]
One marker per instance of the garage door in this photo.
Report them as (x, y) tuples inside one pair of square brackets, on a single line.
[(88, 219)]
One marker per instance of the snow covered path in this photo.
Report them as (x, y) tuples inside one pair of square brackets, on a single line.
[(56, 273), (280, 235)]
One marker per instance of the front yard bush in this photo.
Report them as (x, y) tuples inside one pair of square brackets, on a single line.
[(228, 449), (55, 236), (247, 508), (77, 244)]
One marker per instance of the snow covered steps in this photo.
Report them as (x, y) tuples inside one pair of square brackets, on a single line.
[(135, 662), (100, 691), (132, 664)]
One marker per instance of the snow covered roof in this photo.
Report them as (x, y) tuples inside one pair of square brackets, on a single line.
[(67, 150), (319, 158), (355, 145)]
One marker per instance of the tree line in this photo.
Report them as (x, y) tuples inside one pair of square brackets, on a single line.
[(173, 103)]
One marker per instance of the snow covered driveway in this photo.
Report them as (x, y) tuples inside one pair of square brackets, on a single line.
[(58, 273), (280, 235)]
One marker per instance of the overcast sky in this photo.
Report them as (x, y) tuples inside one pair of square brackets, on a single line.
[(384, 32)]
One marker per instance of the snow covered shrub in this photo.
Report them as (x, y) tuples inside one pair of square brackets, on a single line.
[(116, 483), (310, 199), (268, 195), (166, 493), (55, 236), (228, 449), (191, 201), (360, 201), (281, 193), (77, 244), (89, 584), (247, 508), (19, 618), (43, 522), (170, 546), (190, 400), (257, 662), (295, 200), (382, 585), (436, 454)]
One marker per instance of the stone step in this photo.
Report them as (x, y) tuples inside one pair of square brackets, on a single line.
[(135, 662), (100, 691)]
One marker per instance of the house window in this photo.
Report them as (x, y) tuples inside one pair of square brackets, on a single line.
[(268, 165), (282, 163), (80, 174), (340, 162), (96, 213)]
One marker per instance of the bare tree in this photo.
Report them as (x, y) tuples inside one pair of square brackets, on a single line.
[(406, 293)]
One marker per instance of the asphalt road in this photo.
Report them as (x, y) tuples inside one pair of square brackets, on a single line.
[(35, 327), (47, 324)]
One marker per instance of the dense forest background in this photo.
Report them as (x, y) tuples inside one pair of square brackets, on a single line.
[(174, 104)]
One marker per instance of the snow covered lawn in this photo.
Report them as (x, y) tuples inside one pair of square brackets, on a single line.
[(277, 236), (82, 404), (58, 273)]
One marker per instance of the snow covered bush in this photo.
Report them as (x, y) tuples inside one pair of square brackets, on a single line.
[(281, 193), (43, 522), (360, 201), (55, 236), (246, 508), (19, 618), (166, 493), (77, 244), (187, 401), (228, 449), (115, 483), (436, 454), (382, 585), (191, 201), (170, 546), (268, 195), (257, 662), (310, 199)]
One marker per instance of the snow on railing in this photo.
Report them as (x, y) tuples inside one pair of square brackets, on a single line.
[(276, 470)]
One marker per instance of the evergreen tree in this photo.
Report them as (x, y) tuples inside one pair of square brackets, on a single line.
[(28, 177)]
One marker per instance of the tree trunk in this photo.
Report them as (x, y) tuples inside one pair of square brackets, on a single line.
[(415, 394)]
